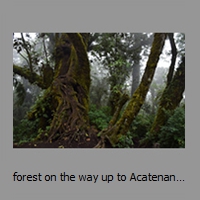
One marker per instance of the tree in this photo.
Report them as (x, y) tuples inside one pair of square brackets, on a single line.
[(120, 52), (170, 99), (114, 132), (171, 96), (112, 52), (156, 88), (138, 47), (63, 106), (24, 96)]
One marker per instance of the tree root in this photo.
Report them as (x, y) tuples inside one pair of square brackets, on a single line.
[(101, 143)]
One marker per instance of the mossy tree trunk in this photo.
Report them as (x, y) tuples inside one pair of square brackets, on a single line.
[(121, 127), (63, 108), (170, 99), (173, 59), (115, 95), (71, 88)]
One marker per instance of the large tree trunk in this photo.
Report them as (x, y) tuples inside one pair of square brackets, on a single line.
[(67, 99), (113, 133)]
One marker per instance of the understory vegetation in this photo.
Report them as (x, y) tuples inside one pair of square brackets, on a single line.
[(171, 135)]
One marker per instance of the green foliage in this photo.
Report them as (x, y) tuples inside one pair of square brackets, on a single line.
[(42, 106), (141, 125), (23, 98), (172, 135), (26, 131), (138, 130), (99, 117), (125, 141), (42, 134), (118, 52)]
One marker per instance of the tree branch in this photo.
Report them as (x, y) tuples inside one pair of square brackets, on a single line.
[(45, 51), (32, 77), (27, 51), (173, 59)]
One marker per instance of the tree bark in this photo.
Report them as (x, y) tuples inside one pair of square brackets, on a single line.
[(170, 99), (173, 59), (122, 100), (121, 127), (32, 77)]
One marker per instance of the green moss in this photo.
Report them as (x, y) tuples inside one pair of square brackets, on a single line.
[(170, 99), (48, 76), (31, 76), (83, 69)]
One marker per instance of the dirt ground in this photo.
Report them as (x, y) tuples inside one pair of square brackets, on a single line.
[(87, 142)]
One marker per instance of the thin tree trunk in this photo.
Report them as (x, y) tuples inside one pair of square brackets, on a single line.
[(173, 60)]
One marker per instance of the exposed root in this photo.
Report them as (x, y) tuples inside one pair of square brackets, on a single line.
[(101, 143), (70, 114)]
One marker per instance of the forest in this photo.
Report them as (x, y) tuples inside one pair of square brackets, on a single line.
[(99, 90)]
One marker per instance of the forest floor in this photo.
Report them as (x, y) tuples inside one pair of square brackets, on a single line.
[(88, 142)]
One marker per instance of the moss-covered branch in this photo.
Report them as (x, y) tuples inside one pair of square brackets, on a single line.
[(32, 77)]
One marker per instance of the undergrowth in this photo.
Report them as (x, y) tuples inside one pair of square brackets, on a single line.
[(173, 133), (26, 131), (99, 117)]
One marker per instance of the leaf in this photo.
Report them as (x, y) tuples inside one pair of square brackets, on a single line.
[(43, 109), (45, 115)]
